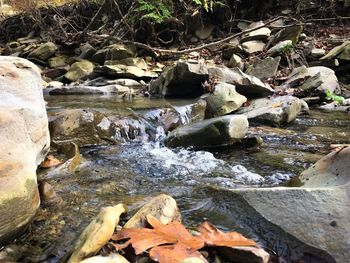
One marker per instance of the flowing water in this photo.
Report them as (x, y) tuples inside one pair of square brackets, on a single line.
[(133, 171)]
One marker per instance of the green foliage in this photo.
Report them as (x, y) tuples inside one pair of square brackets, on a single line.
[(287, 49), (154, 10), (333, 97), (159, 11)]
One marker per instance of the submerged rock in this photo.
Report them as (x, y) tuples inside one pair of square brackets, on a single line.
[(87, 127), (163, 207), (307, 221), (24, 143), (275, 111), (213, 132), (225, 99)]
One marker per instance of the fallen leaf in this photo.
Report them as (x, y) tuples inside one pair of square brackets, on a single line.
[(50, 161), (214, 237), (143, 239), (172, 243), (174, 253)]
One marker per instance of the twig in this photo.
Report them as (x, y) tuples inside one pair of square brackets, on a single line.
[(327, 19), (94, 18), (185, 51), (123, 18)]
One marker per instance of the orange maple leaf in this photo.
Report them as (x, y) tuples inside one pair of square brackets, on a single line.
[(214, 237), (172, 243)]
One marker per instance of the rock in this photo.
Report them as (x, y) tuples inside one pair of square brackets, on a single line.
[(289, 33), (82, 127), (236, 61), (317, 52), (79, 70), (122, 71), (345, 54), (314, 222), (97, 233), (171, 118), (324, 79), (259, 34), (163, 207), (249, 86), (335, 106), (121, 51), (213, 132), (54, 84), (136, 62), (55, 73), (223, 100), (253, 46), (48, 195), (265, 68), (112, 258), (244, 254), (275, 111), (87, 51), (114, 52), (122, 91), (43, 52), (280, 48), (88, 127), (181, 80), (336, 51), (24, 143), (56, 62), (204, 31)]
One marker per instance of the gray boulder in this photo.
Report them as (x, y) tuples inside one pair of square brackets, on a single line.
[(275, 111), (43, 52), (280, 48), (253, 46), (311, 220), (249, 86), (114, 52), (79, 70), (123, 71), (213, 132), (225, 99), (265, 68), (181, 80), (323, 79), (24, 143)]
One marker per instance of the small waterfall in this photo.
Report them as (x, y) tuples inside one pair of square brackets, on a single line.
[(184, 112)]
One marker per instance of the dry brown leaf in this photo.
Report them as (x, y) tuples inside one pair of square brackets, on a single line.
[(214, 237), (50, 161), (172, 243), (174, 253), (141, 239)]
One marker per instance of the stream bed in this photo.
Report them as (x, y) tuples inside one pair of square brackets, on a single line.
[(134, 171)]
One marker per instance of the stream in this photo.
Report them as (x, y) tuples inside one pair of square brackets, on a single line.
[(133, 171)]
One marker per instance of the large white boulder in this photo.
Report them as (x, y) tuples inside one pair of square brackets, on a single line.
[(24, 142)]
